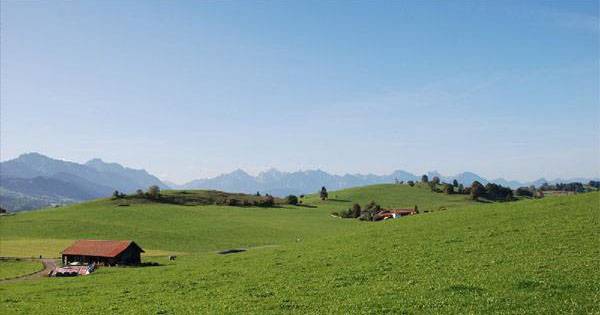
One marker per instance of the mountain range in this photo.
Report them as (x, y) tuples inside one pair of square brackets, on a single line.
[(280, 183), (34, 181)]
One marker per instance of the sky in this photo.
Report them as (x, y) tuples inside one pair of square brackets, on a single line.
[(189, 90)]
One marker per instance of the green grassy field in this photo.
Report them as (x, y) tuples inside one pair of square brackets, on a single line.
[(530, 256), (11, 268)]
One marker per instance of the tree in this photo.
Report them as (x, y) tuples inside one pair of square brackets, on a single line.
[(524, 192), (448, 189), (411, 183), (477, 190), (424, 178), (436, 180), (115, 194), (498, 192), (432, 186), (154, 192), (355, 211), (323, 194), (258, 194), (369, 212), (269, 201), (455, 183), (461, 189), (139, 193), (291, 200)]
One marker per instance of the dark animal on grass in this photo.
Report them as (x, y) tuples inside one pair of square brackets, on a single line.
[(172, 258)]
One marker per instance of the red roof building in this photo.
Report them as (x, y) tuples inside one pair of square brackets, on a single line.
[(103, 252)]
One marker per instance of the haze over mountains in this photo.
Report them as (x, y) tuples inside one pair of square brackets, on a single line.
[(34, 181)]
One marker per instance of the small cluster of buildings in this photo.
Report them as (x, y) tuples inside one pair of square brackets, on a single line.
[(393, 214), (83, 256)]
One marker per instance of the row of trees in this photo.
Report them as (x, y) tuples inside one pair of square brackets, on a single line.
[(152, 193)]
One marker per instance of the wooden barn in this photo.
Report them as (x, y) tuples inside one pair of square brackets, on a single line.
[(108, 253)]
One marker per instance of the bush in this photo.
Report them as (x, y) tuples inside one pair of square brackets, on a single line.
[(424, 179), (411, 183), (291, 200), (355, 210), (524, 192), (153, 192), (477, 190), (116, 195), (323, 194), (497, 192), (233, 202), (368, 213), (448, 189), (267, 201)]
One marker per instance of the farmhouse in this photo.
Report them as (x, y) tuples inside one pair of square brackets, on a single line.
[(103, 252)]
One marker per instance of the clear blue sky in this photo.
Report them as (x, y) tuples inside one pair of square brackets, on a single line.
[(193, 89)]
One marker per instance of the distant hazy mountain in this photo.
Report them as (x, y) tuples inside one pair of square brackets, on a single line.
[(303, 182), (33, 180)]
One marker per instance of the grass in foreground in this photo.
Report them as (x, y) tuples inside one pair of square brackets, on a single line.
[(534, 256)]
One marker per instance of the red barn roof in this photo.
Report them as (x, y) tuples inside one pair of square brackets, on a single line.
[(99, 248)]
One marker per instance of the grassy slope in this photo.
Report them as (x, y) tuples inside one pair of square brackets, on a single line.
[(388, 195), (537, 256), (193, 229), (14, 268)]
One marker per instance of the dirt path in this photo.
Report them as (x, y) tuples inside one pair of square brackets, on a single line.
[(49, 264)]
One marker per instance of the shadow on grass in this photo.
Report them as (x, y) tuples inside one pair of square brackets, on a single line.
[(231, 251), (306, 206), (340, 200)]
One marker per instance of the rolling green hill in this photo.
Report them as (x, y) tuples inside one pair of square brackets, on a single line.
[(531, 256)]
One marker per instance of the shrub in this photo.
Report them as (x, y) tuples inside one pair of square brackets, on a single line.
[(411, 183), (355, 210), (477, 190), (153, 192), (498, 192), (424, 178), (524, 192), (267, 201), (436, 180), (323, 194), (368, 213), (292, 200), (448, 189)]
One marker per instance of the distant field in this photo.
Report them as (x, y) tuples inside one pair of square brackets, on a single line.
[(10, 268), (530, 256), (189, 229)]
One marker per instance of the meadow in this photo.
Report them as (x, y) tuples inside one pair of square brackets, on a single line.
[(12, 268), (530, 256)]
